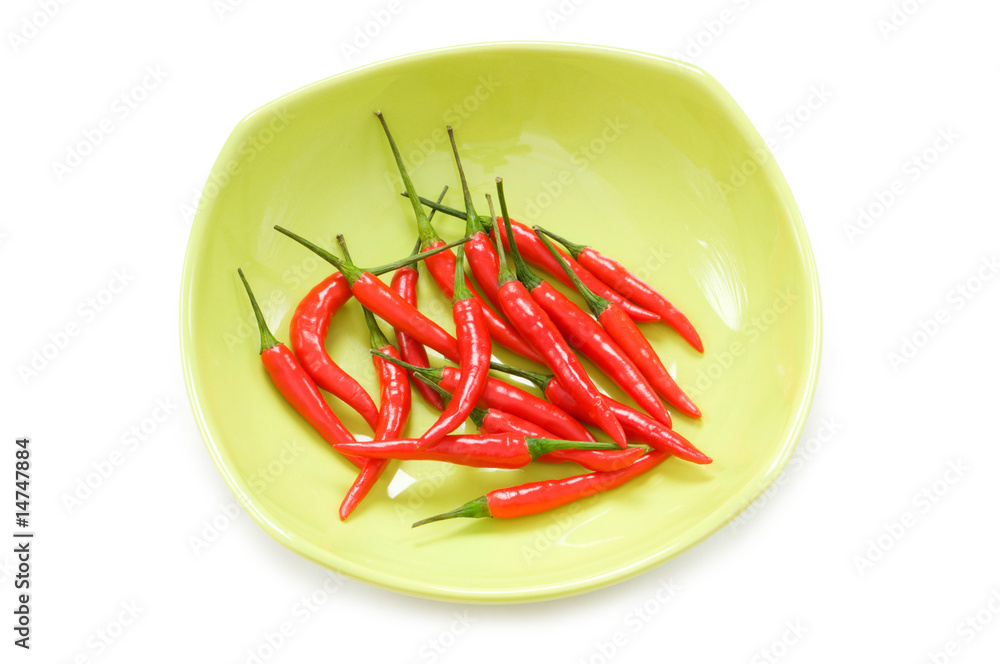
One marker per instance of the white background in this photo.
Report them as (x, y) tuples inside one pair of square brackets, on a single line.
[(794, 581)]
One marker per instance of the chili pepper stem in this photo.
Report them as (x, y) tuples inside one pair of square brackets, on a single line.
[(376, 337), (462, 291), (493, 214), (541, 381), (353, 272), (472, 225), (524, 273), (343, 248), (424, 228), (430, 217), (474, 509), (573, 248), (486, 222), (430, 372), (505, 275), (595, 302), (539, 446), (267, 339), (477, 415)]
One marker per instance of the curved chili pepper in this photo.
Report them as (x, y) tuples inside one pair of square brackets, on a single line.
[(536, 326), (537, 497), (307, 336), (536, 254), (492, 420), (395, 400), (628, 336), (442, 265), (385, 302), (510, 399), (618, 277), (497, 450), (639, 426), (474, 347), (295, 384), (394, 392), (623, 329), (587, 336), (404, 282)]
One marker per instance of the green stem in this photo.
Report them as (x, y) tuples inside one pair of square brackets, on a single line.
[(474, 509), (445, 394), (267, 339), (343, 247), (539, 446), (416, 248), (541, 381), (500, 255), (424, 228), (472, 225), (524, 273), (462, 291), (486, 222), (444, 191), (574, 249), (505, 274), (430, 372), (493, 214), (489, 227), (478, 415), (375, 336), (595, 302), (353, 272)]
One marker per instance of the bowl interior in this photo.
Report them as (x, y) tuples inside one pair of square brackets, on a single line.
[(647, 159)]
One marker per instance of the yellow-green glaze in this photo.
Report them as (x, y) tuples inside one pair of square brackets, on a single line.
[(639, 156)]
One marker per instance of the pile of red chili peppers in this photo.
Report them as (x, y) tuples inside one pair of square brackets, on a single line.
[(516, 309)]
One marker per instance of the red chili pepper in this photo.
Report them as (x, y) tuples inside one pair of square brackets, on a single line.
[(498, 450), (639, 426), (587, 336), (296, 385), (484, 263), (510, 399), (628, 336), (497, 421), (307, 334), (442, 266), (492, 420), (474, 347), (535, 253), (404, 282), (500, 330), (618, 277), (385, 302), (482, 257), (537, 497), (394, 407), (536, 326)]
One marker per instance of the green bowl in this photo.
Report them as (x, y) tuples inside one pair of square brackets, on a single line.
[(645, 158)]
